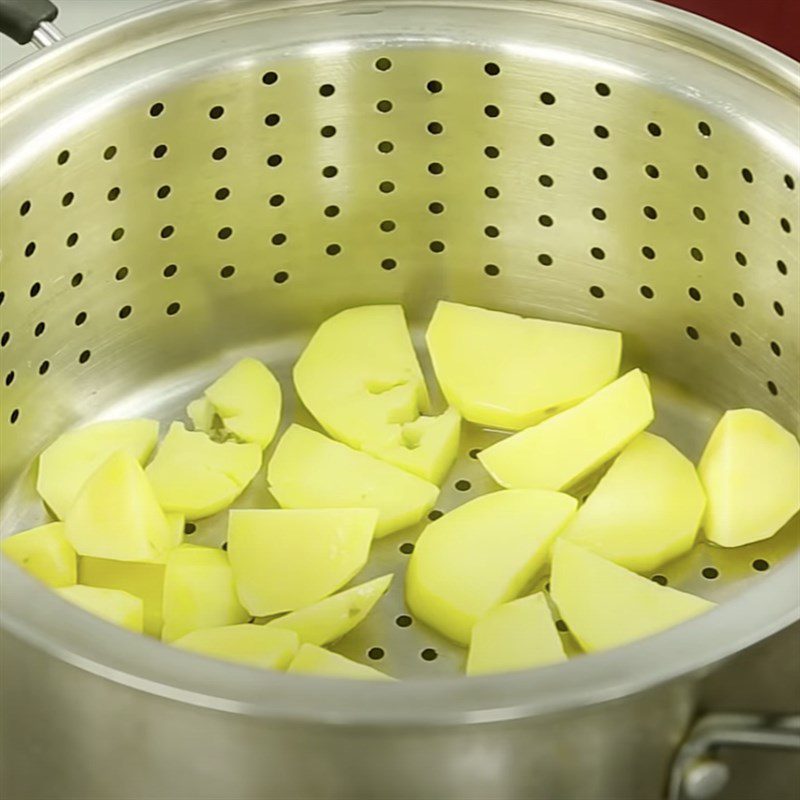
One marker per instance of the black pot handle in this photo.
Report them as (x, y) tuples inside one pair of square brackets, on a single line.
[(29, 20)]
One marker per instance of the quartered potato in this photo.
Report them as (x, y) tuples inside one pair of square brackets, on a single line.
[(286, 559), (511, 372), (751, 473), (646, 510), (199, 592), (246, 400), (195, 476), (360, 378), (313, 660), (142, 580), (331, 618), (481, 555), (606, 605), (254, 645), (309, 470), (67, 463), (426, 447), (116, 515), (514, 636), (45, 553), (557, 453), (121, 608)]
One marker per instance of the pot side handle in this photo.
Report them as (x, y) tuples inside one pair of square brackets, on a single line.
[(697, 773), (29, 21)]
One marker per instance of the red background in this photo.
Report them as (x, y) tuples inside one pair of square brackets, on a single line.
[(774, 22)]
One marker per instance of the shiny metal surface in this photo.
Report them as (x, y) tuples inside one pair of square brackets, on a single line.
[(46, 34), (214, 178)]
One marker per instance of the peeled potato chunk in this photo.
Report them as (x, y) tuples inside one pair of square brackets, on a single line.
[(646, 510), (121, 608), (480, 555), (199, 592), (750, 470), (197, 477), (142, 580), (254, 645), (313, 660), (309, 470), (514, 636), (426, 447), (69, 461), (45, 553), (247, 401), (606, 605), (557, 453), (331, 618), (507, 371), (360, 378), (283, 559), (116, 515)]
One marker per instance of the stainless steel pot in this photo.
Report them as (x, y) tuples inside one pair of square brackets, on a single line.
[(214, 177)]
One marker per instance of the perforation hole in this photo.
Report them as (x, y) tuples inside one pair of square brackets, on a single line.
[(407, 548), (68, 199), (403, 621), (156, 109), (429, 654), (710, 573), (215, 112), (109, 152), (376, 653), (280, 277), (492, 270)]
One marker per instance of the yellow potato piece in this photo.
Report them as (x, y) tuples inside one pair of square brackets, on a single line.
[(283, 560), (197, 477), (360, 378), (199, 592), (313, 660), (309, 470), (480, 555), (606, 605), (142, 580), (514, 636), (45, 553), (254, 645), (557, 453), (426, 447), (247, 399), (333, 617), (750, 470), (111, 605), (69, 461), (359, 372), (511, 372), (116, 515), (646, 509)]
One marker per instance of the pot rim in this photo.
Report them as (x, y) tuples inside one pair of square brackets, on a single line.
[(39, 617)]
